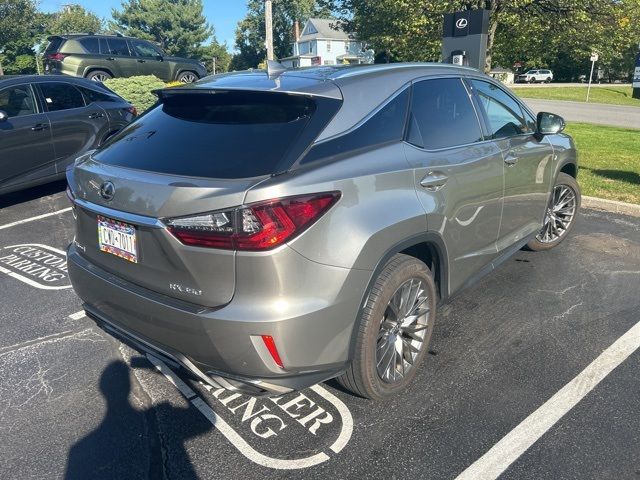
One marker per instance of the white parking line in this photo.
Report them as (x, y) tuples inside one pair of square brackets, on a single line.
[(515, 443), (77, 315), (38, 217)]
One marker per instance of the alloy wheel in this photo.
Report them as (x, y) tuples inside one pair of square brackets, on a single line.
[(559, 214), (402, 331), (188, 78), (100, 77)]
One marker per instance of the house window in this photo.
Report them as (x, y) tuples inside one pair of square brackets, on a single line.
[(310, 47), (328, 45)]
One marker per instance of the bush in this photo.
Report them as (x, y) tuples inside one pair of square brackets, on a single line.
[(22, 64), (136, 90)]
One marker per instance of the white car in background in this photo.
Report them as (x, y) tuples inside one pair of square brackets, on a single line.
[(533, 76)]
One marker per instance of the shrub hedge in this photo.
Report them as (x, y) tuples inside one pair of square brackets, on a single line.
[(136, 90)]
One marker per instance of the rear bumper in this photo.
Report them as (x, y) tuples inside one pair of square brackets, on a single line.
[(223, 346)]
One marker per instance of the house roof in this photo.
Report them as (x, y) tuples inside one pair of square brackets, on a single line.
[(323, 28)]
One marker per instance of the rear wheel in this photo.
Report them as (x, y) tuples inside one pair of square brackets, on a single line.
[(99, 75), (395, 330), (561, 214), (187, 77), (548, 80)]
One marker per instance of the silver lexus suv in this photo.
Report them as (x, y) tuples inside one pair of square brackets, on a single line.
[(271, 230)]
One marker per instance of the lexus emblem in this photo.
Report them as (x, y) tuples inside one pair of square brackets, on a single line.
[(107, 191), (461, 23)]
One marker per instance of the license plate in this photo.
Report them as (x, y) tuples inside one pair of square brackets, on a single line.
[(117, 238)]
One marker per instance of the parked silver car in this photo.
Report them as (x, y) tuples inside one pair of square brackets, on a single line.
[(268, 232)]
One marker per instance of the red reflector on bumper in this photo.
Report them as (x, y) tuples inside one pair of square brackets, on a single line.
[(271, 346)]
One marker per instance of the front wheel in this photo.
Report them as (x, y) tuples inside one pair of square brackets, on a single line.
[(394, 331), (99, 76), (560, 215)]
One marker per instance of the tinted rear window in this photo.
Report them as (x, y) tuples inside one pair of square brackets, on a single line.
[(215, 135), (54, 45), (90, 44)]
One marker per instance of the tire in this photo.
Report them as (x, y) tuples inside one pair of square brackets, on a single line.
[(546, 238), (187, 77), (380, 332), (548, 80), (533, 80), (99, 75)]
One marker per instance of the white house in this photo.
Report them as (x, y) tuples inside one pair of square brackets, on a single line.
[(322, 44)]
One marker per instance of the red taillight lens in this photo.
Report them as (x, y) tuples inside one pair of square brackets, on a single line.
[(57, 56), (256, 227)]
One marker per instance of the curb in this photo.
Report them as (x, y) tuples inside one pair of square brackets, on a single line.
[(611, 206)]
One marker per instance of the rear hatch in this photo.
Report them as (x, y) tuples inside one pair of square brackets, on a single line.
[(195, 153), (52, 58)]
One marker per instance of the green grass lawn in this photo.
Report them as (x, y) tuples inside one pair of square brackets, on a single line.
[(614, 95), (609, 160)]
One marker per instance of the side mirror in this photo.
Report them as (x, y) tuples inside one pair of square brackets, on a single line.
[(549, 123), (3, 116)]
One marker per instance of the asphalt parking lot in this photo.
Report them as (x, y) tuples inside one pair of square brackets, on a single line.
[(76, 403)]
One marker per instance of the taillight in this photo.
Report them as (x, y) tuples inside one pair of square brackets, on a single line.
[(56, 56), (255, 227)]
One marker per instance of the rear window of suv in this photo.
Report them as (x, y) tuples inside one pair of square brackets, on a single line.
[(54, 45), (216, 135)]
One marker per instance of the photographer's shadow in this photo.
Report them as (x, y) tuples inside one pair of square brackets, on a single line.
[(113, 449)]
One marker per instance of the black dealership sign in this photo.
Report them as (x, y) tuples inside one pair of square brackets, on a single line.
[(467, 22), (464, 38)]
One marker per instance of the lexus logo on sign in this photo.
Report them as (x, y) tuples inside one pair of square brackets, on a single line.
[(107, 191), (461, 23)]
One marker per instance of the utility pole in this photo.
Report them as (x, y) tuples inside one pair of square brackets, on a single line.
[(268, 25), (214, 65)]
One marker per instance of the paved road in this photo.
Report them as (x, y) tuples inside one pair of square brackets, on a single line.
[(76, 403), (615, 115)]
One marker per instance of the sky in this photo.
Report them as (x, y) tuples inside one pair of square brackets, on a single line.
[(222, 14)]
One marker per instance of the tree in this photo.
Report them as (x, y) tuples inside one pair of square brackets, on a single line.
[(179, 26), (18, 28), (73, 19), (250, 33), (219, 51), (518, 29)]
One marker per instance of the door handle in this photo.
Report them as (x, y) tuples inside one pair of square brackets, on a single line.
[(434, 181), (39, 126), (510, 160), (96, 115), (140, 60), (110, 58)]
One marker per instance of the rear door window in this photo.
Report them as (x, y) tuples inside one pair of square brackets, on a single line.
[(90, 44), (118, 46), (442, 115), (503, 113), (61, 96), (216, 135)]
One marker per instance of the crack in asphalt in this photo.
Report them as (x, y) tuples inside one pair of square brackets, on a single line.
[(83, 335), (158, 455)]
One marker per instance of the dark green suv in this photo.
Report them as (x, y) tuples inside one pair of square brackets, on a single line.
[(100, 57)]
